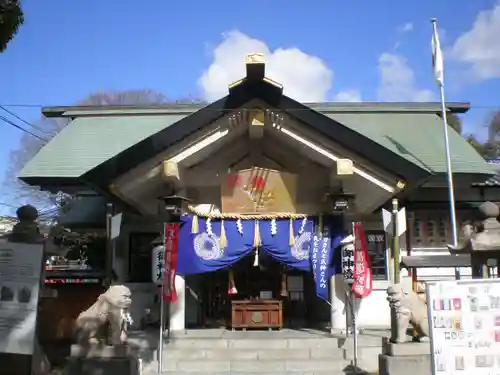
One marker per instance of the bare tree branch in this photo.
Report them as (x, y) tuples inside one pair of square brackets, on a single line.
[(19, 193)]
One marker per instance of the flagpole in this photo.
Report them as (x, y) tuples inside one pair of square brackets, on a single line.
[(451, 188)]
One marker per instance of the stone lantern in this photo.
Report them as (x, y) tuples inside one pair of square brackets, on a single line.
[(482, 242)]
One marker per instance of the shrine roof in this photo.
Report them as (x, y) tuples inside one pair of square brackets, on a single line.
[(101, 143)]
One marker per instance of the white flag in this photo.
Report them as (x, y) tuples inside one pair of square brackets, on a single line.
[(437, 56)]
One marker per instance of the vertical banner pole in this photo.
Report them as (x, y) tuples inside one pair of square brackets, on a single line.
[(347, 312), (162, 325), (354, 331), (438, 68), (109, 246), (395, 240), (162, 307), (352, 302)]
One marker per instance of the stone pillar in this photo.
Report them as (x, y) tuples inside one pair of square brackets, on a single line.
[(26, 231), (337, 300), (178, 309)]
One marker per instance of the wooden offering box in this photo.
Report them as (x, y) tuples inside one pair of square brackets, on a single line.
[(256, 314)]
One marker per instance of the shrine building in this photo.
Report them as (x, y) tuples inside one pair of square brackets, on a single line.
[(263, 173)]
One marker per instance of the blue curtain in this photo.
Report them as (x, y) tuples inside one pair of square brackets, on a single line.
[(202, 251), (277, 243)]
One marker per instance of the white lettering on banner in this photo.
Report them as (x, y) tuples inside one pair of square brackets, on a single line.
[(160, 266), (168, 257), (324, 264), (362, 285), (171, 247), (315, 255), (157, 265), (348, 262)]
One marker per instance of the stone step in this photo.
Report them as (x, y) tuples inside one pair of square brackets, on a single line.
[(254, 354), (218, 343), (249, 366), (367, 357), (363, 352), (361, 372), (363, 341)]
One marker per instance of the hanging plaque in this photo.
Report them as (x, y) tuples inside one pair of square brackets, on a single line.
[(258, 190)]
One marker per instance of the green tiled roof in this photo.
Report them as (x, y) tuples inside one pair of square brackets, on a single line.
[(87, 142), (418, 137), (415, 135)]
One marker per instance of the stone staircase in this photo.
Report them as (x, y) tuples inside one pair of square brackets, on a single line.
[(283, 352)]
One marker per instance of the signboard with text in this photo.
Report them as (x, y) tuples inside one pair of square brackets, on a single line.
[(464, 320), (158, 265), (20, 280)]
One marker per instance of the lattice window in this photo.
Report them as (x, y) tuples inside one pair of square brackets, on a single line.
[(432, 228), (377, 253)]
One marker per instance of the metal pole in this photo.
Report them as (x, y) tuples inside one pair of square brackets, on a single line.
[(162, 308), (347, 312), (451, 190), (162, 325), (109, 246), (354, 331), (395, 240)]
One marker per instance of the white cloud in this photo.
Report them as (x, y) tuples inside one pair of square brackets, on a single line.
[(348, 96), (406, 28), (304, 77), (397, 81), (443, 35), (479, 47)]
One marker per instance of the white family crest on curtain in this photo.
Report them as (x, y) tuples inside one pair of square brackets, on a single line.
[(207, 246), (301, 248)]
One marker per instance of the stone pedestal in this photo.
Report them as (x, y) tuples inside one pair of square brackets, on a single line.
[(401, 359), (108, 360)]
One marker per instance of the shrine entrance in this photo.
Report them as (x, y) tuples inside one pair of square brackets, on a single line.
[(209, 297)]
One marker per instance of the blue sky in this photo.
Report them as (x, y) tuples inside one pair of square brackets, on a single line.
[(324, 49)]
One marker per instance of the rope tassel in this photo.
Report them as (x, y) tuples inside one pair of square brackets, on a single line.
[(195, 228), (291, 240), (223, 238), (256, 243), (256, 235)]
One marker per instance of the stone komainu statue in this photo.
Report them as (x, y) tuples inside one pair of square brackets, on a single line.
[(107, 320), (409, 309)]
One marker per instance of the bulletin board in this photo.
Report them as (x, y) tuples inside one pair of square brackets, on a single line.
[(464, 320)]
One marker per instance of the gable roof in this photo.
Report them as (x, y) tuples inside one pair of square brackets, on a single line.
[(88, 142), (417, 137), (104, 143)]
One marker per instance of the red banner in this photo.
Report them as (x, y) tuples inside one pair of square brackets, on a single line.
[(362, 286), (171, 249)]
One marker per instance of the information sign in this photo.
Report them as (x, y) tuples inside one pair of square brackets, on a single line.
[(20, 273), (464, 320)]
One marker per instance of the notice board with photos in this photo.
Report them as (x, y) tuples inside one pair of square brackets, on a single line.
[(20, 280), (464, 320)]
